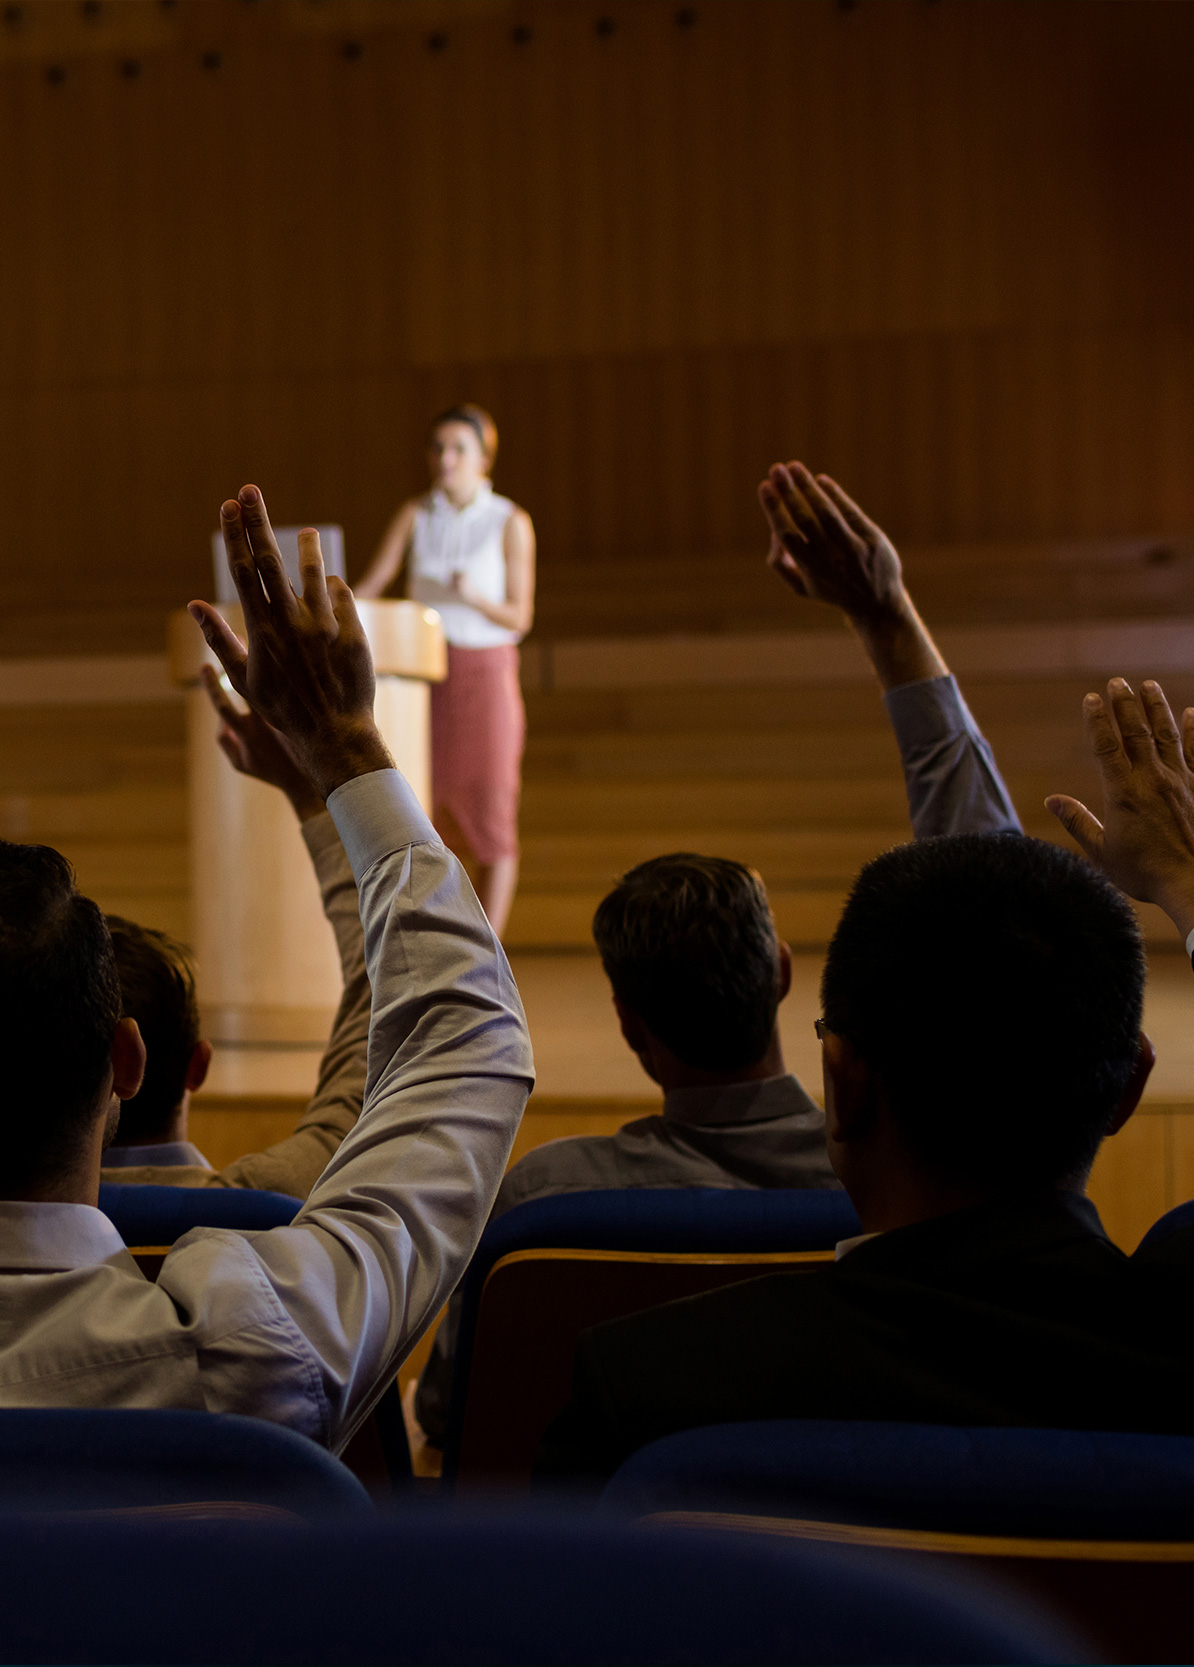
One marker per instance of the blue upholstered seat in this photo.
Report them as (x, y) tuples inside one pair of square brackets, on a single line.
[(159, 1215), (1041, 1483), (671, 1218), (106, 1459), (663, 1220), (431, 1588), (693, 1219)]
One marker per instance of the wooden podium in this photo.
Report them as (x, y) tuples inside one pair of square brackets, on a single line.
[(268, 969)]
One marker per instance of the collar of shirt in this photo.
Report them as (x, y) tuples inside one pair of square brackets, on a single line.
[(168, 1154), (52, 1238), (736, 1102), (1053, 1220), (441, 501)]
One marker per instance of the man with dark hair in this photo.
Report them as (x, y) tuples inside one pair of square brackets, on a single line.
[(157, 989), (982, 999), (67, 1046), (689, 947), (305, 1325), (1051, 1008), (698, 971), (158, 984)]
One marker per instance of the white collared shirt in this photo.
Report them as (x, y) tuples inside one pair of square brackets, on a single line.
[(305, 1325), (470, 542)]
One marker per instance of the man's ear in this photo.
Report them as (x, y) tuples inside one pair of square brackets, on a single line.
[(128, 1059), (785, 968), (637, 1036), (849, 1091), (199, 1064), (1146, 1058), (634, 1031)]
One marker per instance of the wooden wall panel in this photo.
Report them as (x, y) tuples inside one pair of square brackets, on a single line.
[(945, 249)]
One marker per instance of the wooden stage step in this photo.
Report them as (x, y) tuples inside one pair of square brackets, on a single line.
[(953, 584), (799, 781)]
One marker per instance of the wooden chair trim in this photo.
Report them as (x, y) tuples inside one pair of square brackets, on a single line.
[(199, 1510), (149, 1258), (691, 1258), (919, 1539)]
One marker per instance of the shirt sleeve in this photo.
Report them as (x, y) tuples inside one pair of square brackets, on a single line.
[(295, 1164), (391, 1224), (953, 783)]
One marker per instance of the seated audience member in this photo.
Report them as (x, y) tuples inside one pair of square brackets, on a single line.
[(697, 971), (304, 1325), (982, 1000), (157, 984)]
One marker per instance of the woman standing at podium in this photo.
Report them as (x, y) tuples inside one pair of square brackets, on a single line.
[(470, 554)]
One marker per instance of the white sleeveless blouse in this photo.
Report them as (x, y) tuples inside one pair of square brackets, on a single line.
[(447, 541)]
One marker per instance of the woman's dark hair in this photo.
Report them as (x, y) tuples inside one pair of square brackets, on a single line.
[(995, 985), (59, 1008), (157, 986), (688, 942), (481, 423)]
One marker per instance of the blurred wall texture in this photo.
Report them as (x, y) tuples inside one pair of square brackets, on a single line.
[(941, 247)]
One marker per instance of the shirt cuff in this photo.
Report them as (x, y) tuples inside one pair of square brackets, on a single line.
[(320, 835), (923, 713), (377, 814)]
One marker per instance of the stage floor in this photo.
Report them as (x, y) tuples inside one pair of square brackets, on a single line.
[(590, 1083), (580, 1054)]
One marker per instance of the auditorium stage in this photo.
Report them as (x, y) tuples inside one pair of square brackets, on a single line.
[(714, 734)]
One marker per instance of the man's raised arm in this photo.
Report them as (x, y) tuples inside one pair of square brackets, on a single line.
[(393, 1221), (294, 1164), (825, 548)]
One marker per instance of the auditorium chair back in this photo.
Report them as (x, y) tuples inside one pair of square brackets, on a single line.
[(548, 1269), (165, 1463), (1100, 1524), (428, 1587), (158, 1216)]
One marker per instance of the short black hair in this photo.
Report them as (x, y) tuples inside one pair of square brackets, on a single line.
[(689, 943), (994, 983), (157, 986), (59, 1008)]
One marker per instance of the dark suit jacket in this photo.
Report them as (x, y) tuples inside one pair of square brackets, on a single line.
[(1021, 1313)]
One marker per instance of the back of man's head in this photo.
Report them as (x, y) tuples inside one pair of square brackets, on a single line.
[(994, 984), (689, 944), (157, 985), (59, 1007)]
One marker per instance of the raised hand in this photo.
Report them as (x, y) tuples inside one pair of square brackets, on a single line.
[(256, 749), (306, 668), (1145, 841), (824, 547)]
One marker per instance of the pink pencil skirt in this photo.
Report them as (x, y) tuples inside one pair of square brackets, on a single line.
[(478, 727)]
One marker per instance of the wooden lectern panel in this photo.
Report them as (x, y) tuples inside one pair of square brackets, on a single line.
[(269, 973)]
